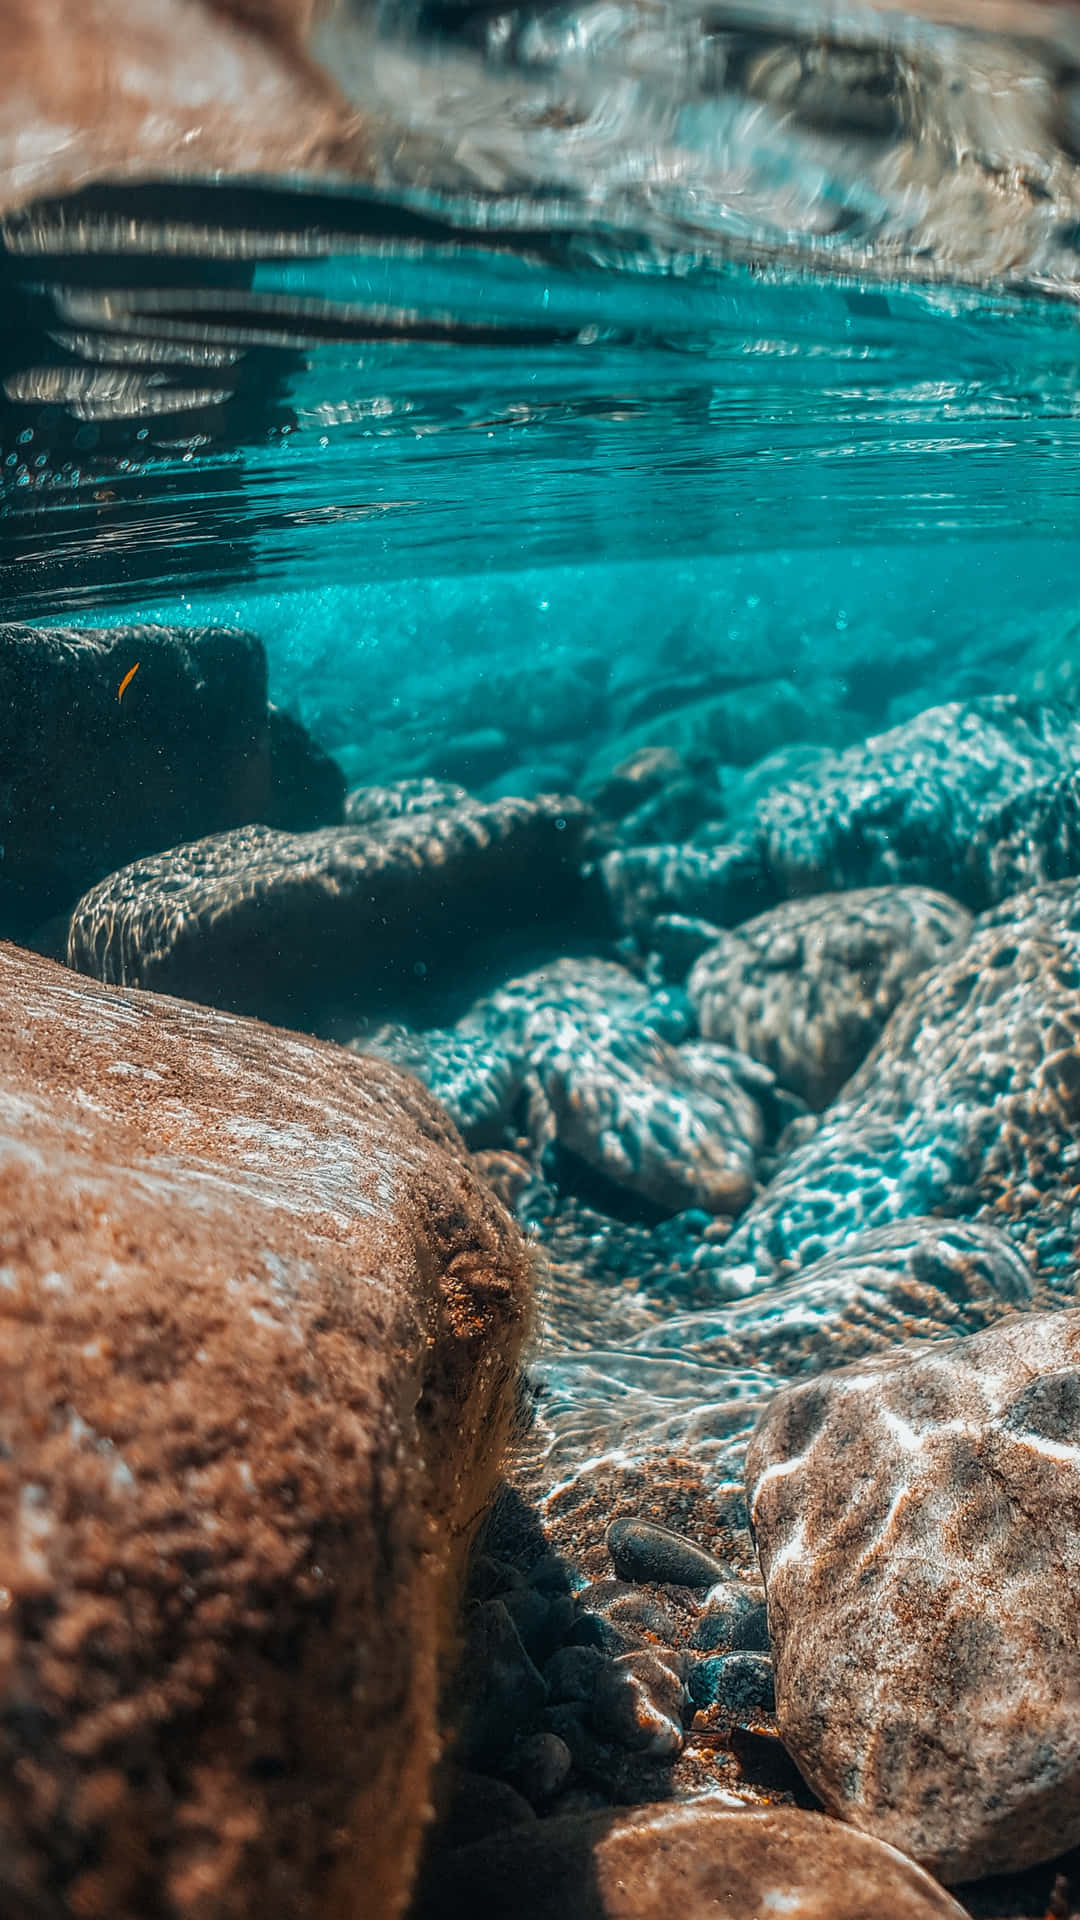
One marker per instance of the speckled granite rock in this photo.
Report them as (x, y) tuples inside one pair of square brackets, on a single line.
[(269, 922), (975, 798), (89, 781), (708, 1858), (928, 802), (603, 1070), (260, 1329), (969, 1105), (808, 987), (918, 1526)]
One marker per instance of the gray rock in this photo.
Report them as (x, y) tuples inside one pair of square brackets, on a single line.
[(583, 1042), (968, 1106), (733, 728), (928, 802), (277, 923), (917, 1279), (740, 1682), (639, 1702), (918, 1526), (365, 805), (641, 1550), (808, 987), (89, 782), (500, 1688), (307, 787), (725, 884), (539, 1766), (732, 1618), (572, 1673)]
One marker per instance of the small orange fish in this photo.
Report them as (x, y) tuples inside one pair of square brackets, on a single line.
[(127, 680)]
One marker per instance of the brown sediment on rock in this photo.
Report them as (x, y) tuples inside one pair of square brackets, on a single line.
[(140, 89), (260, 1328)]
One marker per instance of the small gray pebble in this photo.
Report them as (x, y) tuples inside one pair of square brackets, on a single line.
[(572, 1673), (641, 1550), (539, 1766), (530, 1612), (592, 1630), (551, 1574), (734, 1616), (639, 1702), (490, 1577), (742, 1682)]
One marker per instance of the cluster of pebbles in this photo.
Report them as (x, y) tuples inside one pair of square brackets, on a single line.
[(791, 1121)]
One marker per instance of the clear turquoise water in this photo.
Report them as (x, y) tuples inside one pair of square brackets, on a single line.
[(390, 459)]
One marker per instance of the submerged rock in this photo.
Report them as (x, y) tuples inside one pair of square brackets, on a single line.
[(969, 1106), (975, 798), (365, 805), (270, 922), (808, 987), (686, 1860), (91, 781), (929, 802), (918, 1525), (733, 728), (585, 1046), (640, 1550), (260, 1332)]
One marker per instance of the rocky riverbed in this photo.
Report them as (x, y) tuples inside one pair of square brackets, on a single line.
[(728, 1057)]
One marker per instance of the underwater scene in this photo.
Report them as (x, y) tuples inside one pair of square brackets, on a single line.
[(540, 961)]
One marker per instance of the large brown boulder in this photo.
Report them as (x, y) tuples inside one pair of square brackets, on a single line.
[(259, 1327), (918, 1525), (699, 1861)]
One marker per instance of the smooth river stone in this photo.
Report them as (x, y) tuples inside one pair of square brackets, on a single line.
[(918, 1526), (808, 987), (281, 924), (710, 1858), (260, 1325)]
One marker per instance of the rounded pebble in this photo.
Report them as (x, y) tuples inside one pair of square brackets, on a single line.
[(734, 1616), (539, 1766), (641, 1550), (742, 1682), (572, 1674), (639, 1703)]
